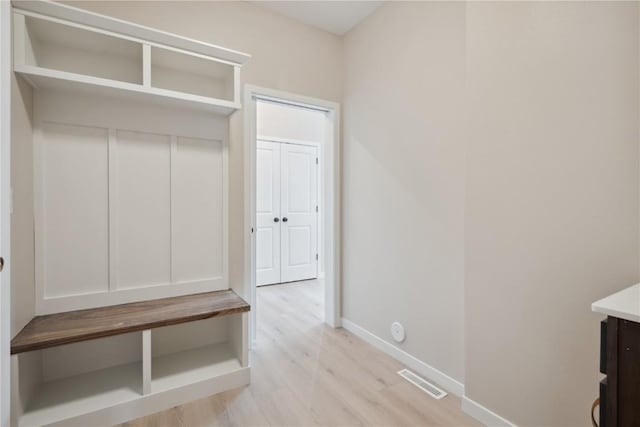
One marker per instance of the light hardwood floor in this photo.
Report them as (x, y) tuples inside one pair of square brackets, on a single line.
[(305, 373)]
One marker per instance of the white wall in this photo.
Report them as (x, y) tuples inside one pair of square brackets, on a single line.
[(552, 199), (537, 104), (290, 122), (302, 125), (403, 172)]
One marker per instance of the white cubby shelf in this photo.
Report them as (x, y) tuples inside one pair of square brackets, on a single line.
[(108, 365), (54, 48), (128, 143), (65, 399)]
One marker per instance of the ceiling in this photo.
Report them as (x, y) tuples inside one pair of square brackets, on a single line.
[(337, 17)]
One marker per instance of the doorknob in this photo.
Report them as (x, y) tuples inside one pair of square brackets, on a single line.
[(276, 219), (285, 219), (1, 263)]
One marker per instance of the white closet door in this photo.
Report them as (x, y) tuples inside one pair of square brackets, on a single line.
[(268, 213), (299, 200)]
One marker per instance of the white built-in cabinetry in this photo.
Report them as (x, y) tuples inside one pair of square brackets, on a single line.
[(101, 55), (107, 381), (130, 201)]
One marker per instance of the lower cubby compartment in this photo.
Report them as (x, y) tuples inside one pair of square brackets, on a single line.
[(57, 384), (197, 351), (102, 381), (60, 400), (189, 366)]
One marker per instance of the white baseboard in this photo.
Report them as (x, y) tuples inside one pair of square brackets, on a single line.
[(484, 415), (470, 407), (445, 381)]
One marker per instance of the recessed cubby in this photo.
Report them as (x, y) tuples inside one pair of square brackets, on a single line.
[(71, 49), (194, 74), (196, 351), (59, 383)]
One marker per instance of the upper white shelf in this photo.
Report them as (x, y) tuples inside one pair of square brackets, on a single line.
[(61, 46), (624, 304)]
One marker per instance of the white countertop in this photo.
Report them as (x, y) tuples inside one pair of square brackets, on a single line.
[(624, 304)]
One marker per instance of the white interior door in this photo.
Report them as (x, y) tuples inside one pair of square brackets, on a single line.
[(268, 213), (299, 201)]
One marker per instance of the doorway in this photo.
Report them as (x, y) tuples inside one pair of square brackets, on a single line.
[(292, 145)]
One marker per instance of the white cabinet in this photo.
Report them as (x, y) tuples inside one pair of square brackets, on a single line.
[(107, 381), (54, 47), (129, 193)]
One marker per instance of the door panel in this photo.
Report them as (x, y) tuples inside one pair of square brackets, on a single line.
[(267, 208), (299, 200), (299, 239)]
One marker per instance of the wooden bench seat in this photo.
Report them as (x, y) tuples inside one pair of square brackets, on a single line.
[(64, 328)]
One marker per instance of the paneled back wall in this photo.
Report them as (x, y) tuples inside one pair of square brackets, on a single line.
[(130, 202)]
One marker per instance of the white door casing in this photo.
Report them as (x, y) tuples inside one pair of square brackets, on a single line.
[(267, 213), (286, 212), (299, 201), (331, 198), (5, 209)]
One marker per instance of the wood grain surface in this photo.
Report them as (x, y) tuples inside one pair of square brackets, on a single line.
[(82, 325)]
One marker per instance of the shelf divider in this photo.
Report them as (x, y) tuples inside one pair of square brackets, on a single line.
[(146, 361), (146, 65)]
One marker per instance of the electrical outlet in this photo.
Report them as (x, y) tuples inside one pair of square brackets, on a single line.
[(397, 332)]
